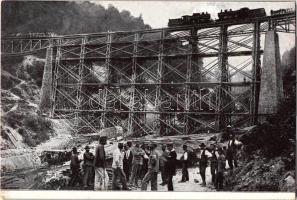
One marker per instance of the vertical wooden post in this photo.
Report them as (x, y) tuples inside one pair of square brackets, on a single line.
[(56, 72), (79, 83), (256, 73), (158, 100), (223, 59), (105, 90), (133, 80)]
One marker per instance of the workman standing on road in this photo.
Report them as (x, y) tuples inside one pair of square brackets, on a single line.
[(88, 167), (153, 169), (231, 152), (203, 160), (101, 176)]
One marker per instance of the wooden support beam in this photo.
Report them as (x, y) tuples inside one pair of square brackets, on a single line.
[(256, 73), (223, 59)]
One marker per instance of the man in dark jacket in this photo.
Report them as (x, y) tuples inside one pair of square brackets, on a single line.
[(88, 167), (101, 176), (203, 159), (153, 169), (145, 157), (75, 168), (137, 163), (220, 170), (117, 168), (127, 161), (231, 152), (163, 161), (185, 161), (170, 165), (213, 162)]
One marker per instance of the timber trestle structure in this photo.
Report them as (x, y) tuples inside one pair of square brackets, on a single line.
[(171, 80)]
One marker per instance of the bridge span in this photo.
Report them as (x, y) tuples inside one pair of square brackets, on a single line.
[(183, 79)]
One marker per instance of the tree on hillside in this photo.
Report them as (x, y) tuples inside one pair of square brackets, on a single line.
[(289, 71), (63, 17)]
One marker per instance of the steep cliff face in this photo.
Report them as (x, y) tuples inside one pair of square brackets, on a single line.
[(20, 90)]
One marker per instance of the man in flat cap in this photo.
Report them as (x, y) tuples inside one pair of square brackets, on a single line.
[(185, 161), (213, 162), (153, 169), (221, 168), (163, 161), (117, 168), (170, 165), (75, 168), (203, 159), (231, 152), (127, 162), (137, 162), (88, 167), (101, 176)]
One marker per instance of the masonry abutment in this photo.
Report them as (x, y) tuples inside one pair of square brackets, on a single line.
[(271, 89), (46, 88)]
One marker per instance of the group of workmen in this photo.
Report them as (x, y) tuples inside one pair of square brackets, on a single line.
[(136, 163)]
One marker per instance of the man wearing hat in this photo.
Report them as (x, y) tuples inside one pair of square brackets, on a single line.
[(213, 162), (127, 162), (170, 165), (117, 168), (163, 161), (220, 170), (203, 159), (75, 168), (88, 167), (185, 161), (226, 133), (231, 152), (137, 162), (153, 169), (101, 176), (146, 148)]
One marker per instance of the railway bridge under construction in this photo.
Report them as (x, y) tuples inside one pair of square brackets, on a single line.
[(182, 80)]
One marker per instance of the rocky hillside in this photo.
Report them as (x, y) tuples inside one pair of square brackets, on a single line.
[(21, 126), (267, 160), (21, 77)]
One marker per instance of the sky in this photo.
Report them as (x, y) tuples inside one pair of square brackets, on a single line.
[(157, 13)]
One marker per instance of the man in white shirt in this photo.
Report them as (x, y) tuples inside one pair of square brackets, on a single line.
[(117, 167), (185, 162), (231, 153)]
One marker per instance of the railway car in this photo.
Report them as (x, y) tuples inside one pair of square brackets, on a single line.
[(175, 22), (280, 12), (241, 14), (196, 18)]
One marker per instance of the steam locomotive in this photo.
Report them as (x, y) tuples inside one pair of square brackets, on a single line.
[(241, 14), (196, 18), (200, 18)]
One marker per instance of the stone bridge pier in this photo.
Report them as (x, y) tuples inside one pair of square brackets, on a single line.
[(46, 88), (271, 88)]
